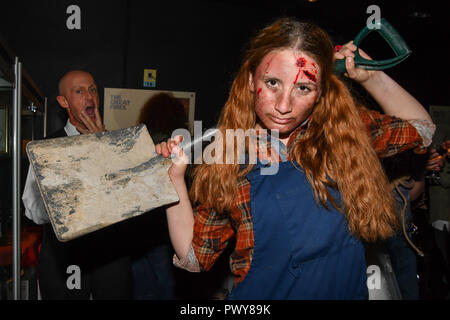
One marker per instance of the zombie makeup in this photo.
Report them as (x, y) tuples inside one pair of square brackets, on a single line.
[(307, 69), (286, 87)]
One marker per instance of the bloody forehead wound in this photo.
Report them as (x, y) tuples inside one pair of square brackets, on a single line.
[(301, 63)]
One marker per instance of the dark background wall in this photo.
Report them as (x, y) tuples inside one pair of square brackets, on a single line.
[(197, 45)]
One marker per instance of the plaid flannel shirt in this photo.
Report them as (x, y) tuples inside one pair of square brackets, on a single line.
[(212, 230)]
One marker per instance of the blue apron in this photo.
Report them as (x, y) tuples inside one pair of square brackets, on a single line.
[(302, 250)]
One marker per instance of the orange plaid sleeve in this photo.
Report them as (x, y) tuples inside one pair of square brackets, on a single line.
[(390, 135), (241, 258), (211, 234)]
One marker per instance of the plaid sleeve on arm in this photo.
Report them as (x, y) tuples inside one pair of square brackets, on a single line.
[(211, 234), (390, 135)]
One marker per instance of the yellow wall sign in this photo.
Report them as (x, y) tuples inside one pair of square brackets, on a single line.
[(150, 78)]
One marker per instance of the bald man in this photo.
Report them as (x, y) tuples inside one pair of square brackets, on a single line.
[(78, 94), (96, 265)]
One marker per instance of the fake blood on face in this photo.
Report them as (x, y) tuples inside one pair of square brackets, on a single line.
[(257, 97), (310, 76), (268, 65), (298, 73), (301, 63)]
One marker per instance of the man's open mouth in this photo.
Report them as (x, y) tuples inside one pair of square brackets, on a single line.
[(90, 110)]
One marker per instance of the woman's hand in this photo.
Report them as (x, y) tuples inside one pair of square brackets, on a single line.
[(179, 158), (347, 51), (180, 216), (393, 99)]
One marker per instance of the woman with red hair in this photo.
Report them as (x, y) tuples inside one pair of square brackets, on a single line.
[(298, 232)]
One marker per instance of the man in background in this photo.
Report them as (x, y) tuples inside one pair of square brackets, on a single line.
[(100, 257)]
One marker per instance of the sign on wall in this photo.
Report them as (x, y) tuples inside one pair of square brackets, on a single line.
[(149, 78), (122, 106)]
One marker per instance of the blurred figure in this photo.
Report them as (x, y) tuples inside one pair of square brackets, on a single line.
[(404, 171), (162, 114), (152, 268), (439, 208), (430, 205)]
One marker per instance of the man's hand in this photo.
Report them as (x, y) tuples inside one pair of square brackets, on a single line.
[(435, 160), (91, 126)]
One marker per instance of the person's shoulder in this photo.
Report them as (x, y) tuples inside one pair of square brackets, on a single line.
[(57, 134)]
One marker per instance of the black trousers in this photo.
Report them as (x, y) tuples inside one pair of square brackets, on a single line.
[(94, 264)]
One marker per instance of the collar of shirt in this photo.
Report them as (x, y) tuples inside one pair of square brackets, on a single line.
[(298, 133), (271, 149), (70, 129)]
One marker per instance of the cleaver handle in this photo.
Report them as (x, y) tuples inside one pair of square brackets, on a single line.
[(159, 158)]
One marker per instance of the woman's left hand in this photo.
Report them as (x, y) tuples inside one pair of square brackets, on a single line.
[(347, 51)]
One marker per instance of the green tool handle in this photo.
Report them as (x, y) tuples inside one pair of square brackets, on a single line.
[(391, 36)]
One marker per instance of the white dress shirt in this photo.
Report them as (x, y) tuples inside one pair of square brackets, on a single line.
[(34, 205)]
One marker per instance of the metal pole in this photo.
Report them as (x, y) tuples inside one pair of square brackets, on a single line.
[(17, 149), (45, 118), (33, 119)]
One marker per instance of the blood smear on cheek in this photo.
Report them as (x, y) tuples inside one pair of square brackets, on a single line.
[(257, 100)]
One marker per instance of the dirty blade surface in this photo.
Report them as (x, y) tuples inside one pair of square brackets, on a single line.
[(89, 182)]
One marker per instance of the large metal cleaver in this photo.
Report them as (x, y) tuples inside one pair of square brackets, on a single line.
[(91, 181)]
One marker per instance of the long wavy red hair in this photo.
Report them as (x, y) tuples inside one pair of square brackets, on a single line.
[(334, 152)]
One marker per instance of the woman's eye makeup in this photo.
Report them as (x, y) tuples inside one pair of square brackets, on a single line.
[(303, 88), (271, 83)]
